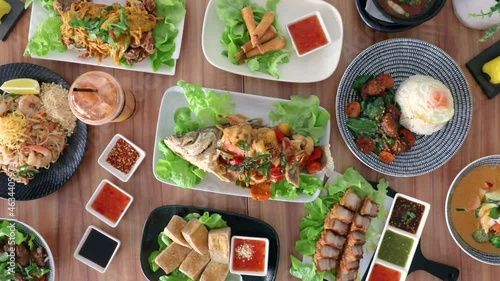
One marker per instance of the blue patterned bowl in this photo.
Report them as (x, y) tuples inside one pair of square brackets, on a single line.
[(488, 258)]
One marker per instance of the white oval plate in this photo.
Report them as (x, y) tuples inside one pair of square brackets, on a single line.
[(314, 67)]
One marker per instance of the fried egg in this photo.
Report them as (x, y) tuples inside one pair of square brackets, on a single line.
[(426, 104)]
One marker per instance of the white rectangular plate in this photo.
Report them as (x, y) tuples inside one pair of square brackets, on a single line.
[(249, 105), (314, 67), (38, 15)]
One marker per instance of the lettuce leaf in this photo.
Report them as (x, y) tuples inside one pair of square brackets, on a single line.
[(47, 5), (165, 32), (311, 226), (174, 168), (208, 106), (308, 185), (303, 114), (235, 35), (305, 272), (47, 38)]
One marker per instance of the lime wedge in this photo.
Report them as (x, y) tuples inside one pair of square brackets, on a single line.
[(21, 86)]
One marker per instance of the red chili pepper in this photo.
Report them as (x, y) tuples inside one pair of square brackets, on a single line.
[(279, 134), (276, 173), (112, 32), (237, 160), (488, 184), (314, 167), (317, 153)]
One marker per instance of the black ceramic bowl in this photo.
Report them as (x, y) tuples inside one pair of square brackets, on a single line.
[(377, 24), (431, 12)]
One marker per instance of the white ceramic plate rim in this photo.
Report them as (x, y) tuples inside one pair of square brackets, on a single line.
[(314, 67), (38, 15), (246, 104), (446, 214)]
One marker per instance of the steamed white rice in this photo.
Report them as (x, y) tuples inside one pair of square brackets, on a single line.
[(421, 113)]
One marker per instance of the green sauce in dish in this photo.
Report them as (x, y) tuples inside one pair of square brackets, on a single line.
[(395, 248)]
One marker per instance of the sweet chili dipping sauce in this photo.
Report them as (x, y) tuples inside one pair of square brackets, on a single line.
[(383, 273), (249, 255), (123, 156), (308, 34), (110, 202)]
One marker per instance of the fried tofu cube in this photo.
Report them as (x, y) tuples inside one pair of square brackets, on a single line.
[(219, 244), (174, 228), (194, 264), (196, 235), (170, 258), (215, 271)]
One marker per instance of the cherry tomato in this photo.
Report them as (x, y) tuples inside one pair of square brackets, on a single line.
[(237, 160), (314, 167), (277, 174), (317, 153), (279, 134)]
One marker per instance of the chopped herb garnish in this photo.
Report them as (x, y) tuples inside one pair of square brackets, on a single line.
[(408, 216), (243, 145), (461, 210)]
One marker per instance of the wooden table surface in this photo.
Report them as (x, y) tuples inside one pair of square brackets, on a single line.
[(61, 217)]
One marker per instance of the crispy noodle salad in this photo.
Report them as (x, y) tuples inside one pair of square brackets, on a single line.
[(33, 131)]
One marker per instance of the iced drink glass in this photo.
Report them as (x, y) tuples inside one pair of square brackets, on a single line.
[(97, 98)]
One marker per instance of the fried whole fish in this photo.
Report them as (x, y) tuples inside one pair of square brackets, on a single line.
[(249, 153)]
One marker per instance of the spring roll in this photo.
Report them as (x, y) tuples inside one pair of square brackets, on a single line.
[(264, 24), (270, 33), (247, 14), (273, 45)]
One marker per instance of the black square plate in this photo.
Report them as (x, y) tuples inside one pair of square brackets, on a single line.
[(475, 66), (240, 225), (10, 19)]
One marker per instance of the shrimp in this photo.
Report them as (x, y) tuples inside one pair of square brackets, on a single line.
[(3, 108), (6, 155), (29, 104), (38, 155)]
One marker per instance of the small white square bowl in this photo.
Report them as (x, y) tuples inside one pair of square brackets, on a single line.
[(89, 208), (250, 273), (88, 262), (117, 173), (323, 27)]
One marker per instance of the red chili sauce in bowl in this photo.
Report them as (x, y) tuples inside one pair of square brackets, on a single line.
[(383, 273), (308, 34), (110, 202), (249, 255)]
